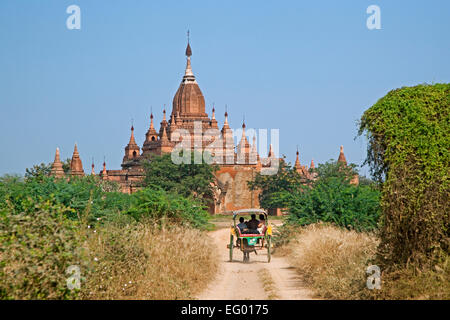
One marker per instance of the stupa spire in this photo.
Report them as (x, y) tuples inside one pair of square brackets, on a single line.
[(342, 158), (188, 74), (92, 171), (297, 164), (132, 140), (57, 166), (76, 166), (151, 121), (104, 172)]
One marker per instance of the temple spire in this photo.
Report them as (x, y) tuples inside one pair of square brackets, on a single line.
[(76, 166), (312, 166), (57, 166), (104, 172), (132, 140), (342, 158), (297, 164), (151, 121), (188, 74), (92, 171)]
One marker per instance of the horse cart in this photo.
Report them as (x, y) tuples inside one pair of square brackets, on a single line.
[(250, 242)]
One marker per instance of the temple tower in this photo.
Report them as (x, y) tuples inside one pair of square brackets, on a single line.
[(57, 166), (76, 166), (132, 152)]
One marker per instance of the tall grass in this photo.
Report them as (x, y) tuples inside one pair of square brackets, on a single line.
[(333, 262), (145, 261)]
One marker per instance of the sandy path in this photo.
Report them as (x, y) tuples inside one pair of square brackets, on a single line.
[(242, 281)]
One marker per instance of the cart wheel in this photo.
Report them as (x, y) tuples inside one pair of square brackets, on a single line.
[(269, 245), (231, 248)]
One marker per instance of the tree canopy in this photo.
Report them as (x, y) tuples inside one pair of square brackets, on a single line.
[(184, 179)]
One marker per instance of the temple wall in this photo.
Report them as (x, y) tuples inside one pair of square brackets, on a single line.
[(237, 195)]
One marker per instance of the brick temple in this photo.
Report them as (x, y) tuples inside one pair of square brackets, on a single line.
[(237, 164)]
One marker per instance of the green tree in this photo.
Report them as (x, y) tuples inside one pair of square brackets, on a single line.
[(332, 198), (41, 170), (408, 153), (275, 189), (185, 179), (38, 171)]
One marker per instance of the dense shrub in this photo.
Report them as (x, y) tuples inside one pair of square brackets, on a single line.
[(76, 194), (37, 245), (409, 153), (158, 204), (120, 242), (331, 198)]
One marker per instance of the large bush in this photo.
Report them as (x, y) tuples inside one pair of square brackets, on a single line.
[(333, 199), (409, 151), (37, 245), (158, 204), (47, 225)]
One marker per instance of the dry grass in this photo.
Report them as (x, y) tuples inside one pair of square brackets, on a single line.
[(412, 283), (333, 263), (331, 260), (148, 262)]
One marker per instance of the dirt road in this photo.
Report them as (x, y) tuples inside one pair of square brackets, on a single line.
[(256, 280)]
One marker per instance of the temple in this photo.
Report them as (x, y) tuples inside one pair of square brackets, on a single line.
[(189, 125)]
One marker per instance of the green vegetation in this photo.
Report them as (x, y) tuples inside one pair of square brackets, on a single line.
[(184, 179), (409, 154), (330, 197), (37, 243), (120, 242), (42, 170), (275, 189)]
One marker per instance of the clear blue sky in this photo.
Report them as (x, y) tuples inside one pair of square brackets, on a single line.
[(309, 68)]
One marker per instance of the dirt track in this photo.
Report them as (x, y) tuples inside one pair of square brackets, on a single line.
[(244, 281)]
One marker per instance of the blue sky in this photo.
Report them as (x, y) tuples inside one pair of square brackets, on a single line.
[(309, 68)]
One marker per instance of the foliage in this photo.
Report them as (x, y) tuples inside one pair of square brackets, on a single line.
[(185, 179), (275, 189), (409, 150), (39, 171), (76, 194), (331, 198), (48, 224), (37, 243), (158, 204)]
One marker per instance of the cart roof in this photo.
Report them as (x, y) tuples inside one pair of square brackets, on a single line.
[(242, 211)]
